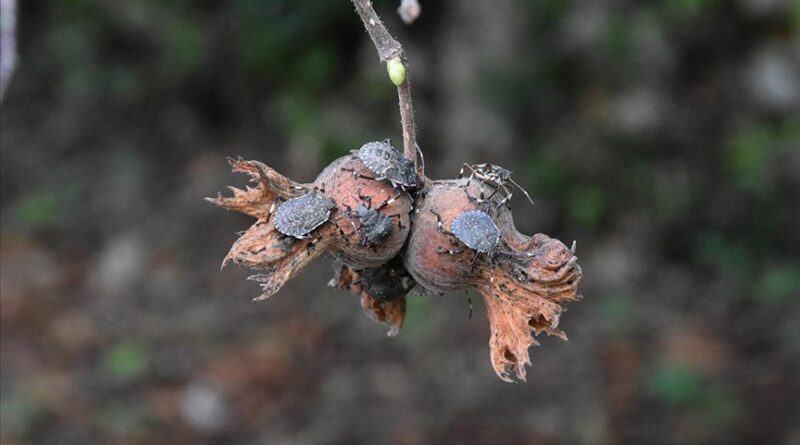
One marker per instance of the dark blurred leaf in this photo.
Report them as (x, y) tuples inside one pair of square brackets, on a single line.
[(728, 257), (333, 148), (547, 171), (127, 360), (264, 50), (616, 309), (689, 7), (38, 210), (184, 49), (749, 156), (618, 39), (675, 384), (587, 204), (315, 66), (719, 408), (796, 15), (18, 412), (778, 283), (417, 320), (299, 111)]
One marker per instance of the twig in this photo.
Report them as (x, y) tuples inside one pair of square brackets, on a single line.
[(391, 52), (8, 44)]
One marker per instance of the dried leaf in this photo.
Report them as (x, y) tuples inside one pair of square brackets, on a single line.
[(517, 306), (261, 246), (257, 202), (391, 313)]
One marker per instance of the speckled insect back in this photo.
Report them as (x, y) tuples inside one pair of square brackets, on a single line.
[(477, 230), (376, 225), (298, 217), (388, 164)]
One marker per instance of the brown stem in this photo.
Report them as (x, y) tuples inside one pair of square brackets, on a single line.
[(407, 121), (389, 48)]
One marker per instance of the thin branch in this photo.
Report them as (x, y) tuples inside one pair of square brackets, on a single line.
[(8, 44), (410, 146), (389, 49)]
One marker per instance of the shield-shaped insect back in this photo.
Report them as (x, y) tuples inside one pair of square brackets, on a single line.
[(299, 216)]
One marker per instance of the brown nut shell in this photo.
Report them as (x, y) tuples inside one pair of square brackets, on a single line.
[(349, 183), (524, 285)]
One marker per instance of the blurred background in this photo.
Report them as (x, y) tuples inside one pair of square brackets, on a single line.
[(662, 135)]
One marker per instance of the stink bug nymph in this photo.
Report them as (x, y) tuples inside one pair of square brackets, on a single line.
[(387, 164), (298, 217), (477, 230)]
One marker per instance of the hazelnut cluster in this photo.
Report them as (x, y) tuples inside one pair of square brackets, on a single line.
[(393, 230)]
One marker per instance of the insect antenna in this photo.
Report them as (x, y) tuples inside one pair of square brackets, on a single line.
[(421, 160), (522, 190)]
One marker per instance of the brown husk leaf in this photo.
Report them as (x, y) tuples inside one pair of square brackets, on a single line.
[(391, 313), (262, 246), (524, 296)]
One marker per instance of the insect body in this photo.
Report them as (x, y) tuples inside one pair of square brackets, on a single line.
[(388, 164), (298, 217), (496, 176), (477, 231), (376, 225)]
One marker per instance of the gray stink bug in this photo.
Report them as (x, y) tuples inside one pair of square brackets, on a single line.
[(375, 226), (497, 177), (387, 164), (476, 230), (298, 217)]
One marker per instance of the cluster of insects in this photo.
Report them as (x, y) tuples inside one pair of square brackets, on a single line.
[(473, 229), (377, 202), (298, 217)]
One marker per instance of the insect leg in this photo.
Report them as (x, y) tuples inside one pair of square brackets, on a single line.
[(440, 224), (421, 159), (388, 201), (505, 200), (272, 208), (399, 222), (473, 262), (441, 250), (357, 174)]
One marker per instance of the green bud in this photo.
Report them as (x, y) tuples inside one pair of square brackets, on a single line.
[(397, 71)]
